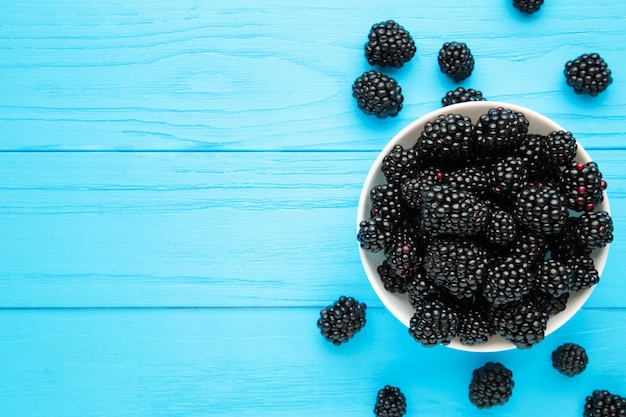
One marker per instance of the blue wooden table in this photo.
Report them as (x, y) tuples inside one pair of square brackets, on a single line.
[(178, 193)]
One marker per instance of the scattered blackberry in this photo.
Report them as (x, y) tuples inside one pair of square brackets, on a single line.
[(399, 164), (447, 138), (378, 94), (456, 60), (530, 150), (541, 209), (549, 304), (500, 129), (507, 281), (448, 211), (390, 402), (588, 74), (374, 233), (508, 174), (492, 384), (340, 321), (387, 202), (559, 148), (433, 323), (412, 188), (475, 326), (471, 179), (584, 272), (554, 277), (527, 6), (501, 229), (570, 359), (601, 403), (390, 278), (594, 229), (389, 45), (461, 95), (456, 264), (521, 323), (582, 184)]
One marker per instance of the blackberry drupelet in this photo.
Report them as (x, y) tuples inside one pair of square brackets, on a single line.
[(541, 209), (374, 233), (508, 280), (582, 185), (584, 272), (448, 138), (400, 164), (389, 44), (588, 74), (601, 403), (492, 384), (475, 326), (340, 321), (390, 402), (378, 94), (508, 174), (501, 229), (448, 211), (553, 277), (521, 323), (470, 178), (456, 60), (559, 148), (392, 281), (570, 359), (456, 264), (387, 202), (527, 6), (594, 229), (461, 95), (500, 129), (434, 322)]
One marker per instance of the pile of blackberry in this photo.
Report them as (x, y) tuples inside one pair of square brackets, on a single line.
[(487, 227)]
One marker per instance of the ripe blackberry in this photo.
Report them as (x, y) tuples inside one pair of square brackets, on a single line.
[(434, 322), (456, 60), (532, 247), (559, 148), (413, 188), (448, 211), (601, 403), (389, 45), (527, 6), (553, 277), (378, 94), (541, 209), (456, 264), (582, 185), (492, 384), (531, 151), (501, 229), (340, 321), (500, 129), (390, 402), (594, 229), (570, 359), (471, 179), (461, 95), (448, 138), (475, 326), (521, 323), (403, 253), (549, 304), (399, 164), (508, 174), (374, 233), (508, 280), (387, 202), (584, 272), (420, 288), (568, 243), (392, 281), (588, 74)]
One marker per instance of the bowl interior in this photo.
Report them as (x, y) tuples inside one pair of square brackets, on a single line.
[(398, 304)]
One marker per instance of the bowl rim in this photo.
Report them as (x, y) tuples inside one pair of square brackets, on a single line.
[(398, 304)]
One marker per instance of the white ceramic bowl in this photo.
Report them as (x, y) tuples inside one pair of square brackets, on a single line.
[(398, 304)]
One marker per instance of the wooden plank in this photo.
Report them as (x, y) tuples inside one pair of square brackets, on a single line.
[(243, 76), (183, 229), (273, 362)]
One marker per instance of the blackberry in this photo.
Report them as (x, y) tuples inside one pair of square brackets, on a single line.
[(532, 247), (340, 321), (471, 179), (447, 138), (588, 74), (378, 94), (584, 272), (568, 243), (420, 288), (448, 211), (456, 60), (412, 188), (507, 280), (374, 233), (530, 150), (456, 264), (500, 129), (492, 384), (554, 277), (461, 95), (582, 185), (521, 323), (399, 164), (501, 229), (434, 322), (387, 202), (403, 253), (601, 403), (475, 326), (508, 174), (527, 6), (389, 45), (549, 304), (594, 229), (390, 402), (570, 359), (392, 281), (541, 209), (559, 148)]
